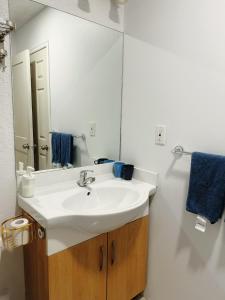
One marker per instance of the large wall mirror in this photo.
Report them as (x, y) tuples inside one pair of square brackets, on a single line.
[(67, 83)]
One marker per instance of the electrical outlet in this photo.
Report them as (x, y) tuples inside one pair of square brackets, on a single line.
[(160, 135), (92, 129)]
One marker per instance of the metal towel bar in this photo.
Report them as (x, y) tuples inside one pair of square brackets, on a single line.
[(180, 150), (82, 136)]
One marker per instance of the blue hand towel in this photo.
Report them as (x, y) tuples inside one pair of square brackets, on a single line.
[(66, 149), (206, 195), (56, 147)]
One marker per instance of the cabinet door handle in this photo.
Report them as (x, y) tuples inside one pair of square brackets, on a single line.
[(101, 258), (113, 252)]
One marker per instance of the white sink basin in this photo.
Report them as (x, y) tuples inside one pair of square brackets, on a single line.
[(101, 200), (106, 206)]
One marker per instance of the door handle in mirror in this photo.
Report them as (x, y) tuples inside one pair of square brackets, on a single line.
[(26, 146), (44, 147)]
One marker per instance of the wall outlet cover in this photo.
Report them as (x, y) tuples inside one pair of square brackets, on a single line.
[(92, 129), (160, 135)]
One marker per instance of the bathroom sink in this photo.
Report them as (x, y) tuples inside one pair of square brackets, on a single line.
[(101, 200), (102, 207)]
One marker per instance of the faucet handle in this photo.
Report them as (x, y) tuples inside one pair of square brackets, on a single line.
[(85, 172)]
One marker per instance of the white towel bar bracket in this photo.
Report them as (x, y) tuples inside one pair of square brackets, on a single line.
[(179, 150)]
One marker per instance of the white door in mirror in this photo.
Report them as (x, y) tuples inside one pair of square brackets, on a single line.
[(22, 99), (41, 108)]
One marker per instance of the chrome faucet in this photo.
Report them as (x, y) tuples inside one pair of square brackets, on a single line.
[(84, 180)]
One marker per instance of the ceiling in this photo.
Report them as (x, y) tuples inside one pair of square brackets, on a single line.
[(21, 11)]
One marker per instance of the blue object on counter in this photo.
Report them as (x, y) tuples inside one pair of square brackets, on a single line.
[(127, 172), (108, 161), (101, 161), (206, 195), (56, 147), (117, 169)]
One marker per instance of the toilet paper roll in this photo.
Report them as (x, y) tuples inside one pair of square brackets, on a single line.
[(20, 238)]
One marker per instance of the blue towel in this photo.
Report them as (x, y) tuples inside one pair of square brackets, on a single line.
[(206, 195), (56, 147), (66, 149)]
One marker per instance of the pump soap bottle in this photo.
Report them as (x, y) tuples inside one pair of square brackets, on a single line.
[(28, 184), (19, 174)]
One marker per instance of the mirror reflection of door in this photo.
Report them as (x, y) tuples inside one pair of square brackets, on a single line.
[(23, 108), (31, 106), (40, 101)]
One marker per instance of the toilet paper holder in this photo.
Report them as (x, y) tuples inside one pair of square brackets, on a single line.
[(17, 231)]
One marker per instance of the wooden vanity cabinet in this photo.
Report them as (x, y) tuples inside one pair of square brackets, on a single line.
[(111, 266), (36, 269), (127, 260), (79, 272)]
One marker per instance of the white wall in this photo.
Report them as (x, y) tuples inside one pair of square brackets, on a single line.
[(11, 267), (104, 12), (85, 78), (175, 75)]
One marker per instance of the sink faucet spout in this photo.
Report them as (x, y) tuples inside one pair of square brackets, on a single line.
[(84, 181)]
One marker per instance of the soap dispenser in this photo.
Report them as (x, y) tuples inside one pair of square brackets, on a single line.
[(19, 174), (28, 183)]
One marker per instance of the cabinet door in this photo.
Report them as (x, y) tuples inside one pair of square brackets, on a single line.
[(127, 260), (79, 273), (36, 269)]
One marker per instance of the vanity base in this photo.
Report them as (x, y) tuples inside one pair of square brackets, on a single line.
[(110, 266)]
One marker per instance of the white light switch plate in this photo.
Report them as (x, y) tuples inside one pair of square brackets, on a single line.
[(92, 129), (160, 135)]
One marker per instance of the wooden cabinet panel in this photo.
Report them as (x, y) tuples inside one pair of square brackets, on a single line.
[(111, 266), (79, 273), (127, 260), (36, 269)]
